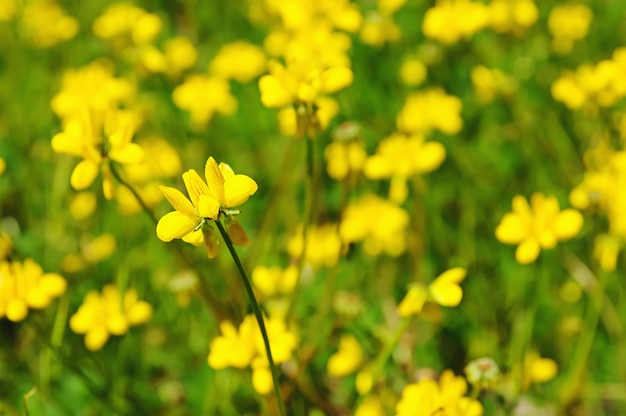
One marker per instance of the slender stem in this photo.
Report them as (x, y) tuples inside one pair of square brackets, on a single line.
[(257, 314)]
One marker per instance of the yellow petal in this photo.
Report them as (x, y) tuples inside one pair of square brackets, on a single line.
[(84, 174), (334, 79), (195, 186), (16, 310), (568, 224), (237, 190), (178, 201), (377, 167), (128, 154), (175, 225), (511, 229), (214, 179), (262, 380), (96, 338), (446, 293), (208, 207), (413, 302), (273, 93), (527, 251), (454, 275), (140, 312), (542, 370), (194, 238), (430, 157)]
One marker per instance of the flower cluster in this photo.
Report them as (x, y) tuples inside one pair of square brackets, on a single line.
[(35, 23), (243, 347), (568, 23), (24, 285), (108, 313)]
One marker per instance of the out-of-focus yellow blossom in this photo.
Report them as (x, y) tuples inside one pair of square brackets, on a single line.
[(323, 246), (452, 20), (203, 96), (83, 205), (429, 397), (445, 290), (124, 20), (606, 249), (45, 23), (538, 369), (300, 83), (326, 110), (241, 61), (92, 87), (6, 245), (99, 248), (82, 137), (344, 158), (512, 15), (540, 224), (222, 191), (567, 24), (413, 72), (8, 10), (376, 221), (489, 83), (399, 157), (601, 84), (108, 313), (371, 406), (3, 166), (378, 26), (25, 286), (431, 109), (243, 347), (274, 280), (180, 54), (347, 359)]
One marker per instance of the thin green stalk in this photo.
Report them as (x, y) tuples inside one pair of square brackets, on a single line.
[(257, 314)]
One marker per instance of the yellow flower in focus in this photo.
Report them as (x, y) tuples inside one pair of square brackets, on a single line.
[(45, 23), (378, 222), (203, 96), (428, 397), (431, 109), (399, 157), (347, 359), (81, 137), (445, 290), (567, 24), (108, 313), (538, 369), (540, 224), (25, 286), (512, 15), (452, 20), (323, 246), (274, 280), (241, 61), (222, 191)]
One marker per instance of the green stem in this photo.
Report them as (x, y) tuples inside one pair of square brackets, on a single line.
[(257, 314), (388, 348)]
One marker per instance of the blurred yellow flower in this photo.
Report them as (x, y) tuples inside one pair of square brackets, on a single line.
[(108, 313), (3, 166), (180, 54), (538, 369), (344, 158), (274, 280), (540, 224), (378, 26), (512, 15), (445, 290), (323, 246), (24, 285), (126, 20), (241, 61), (429, 397), (606, 248), (401, 156), (431, 109), (491, 82), (567, 24), (222, 191), (347, 359), (83, 204), (412, 72), (326, 109), (45, 23), (99, 248), (452, 20), (371, 406), (203, 96)]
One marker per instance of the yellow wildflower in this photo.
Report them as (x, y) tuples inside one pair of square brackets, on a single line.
[(444, 290), (431, 109), (126, 20), (25, 285), (8, 10), (567, 24), (537, 225), (241, 61), (347, 359), (453, 20), (35, 23), (512, 15), (83, 204), (222, 191), (180, 54), (371, 406), (326, 109), (428, 397), (274, 280), (538, 369), (489, 83), (344, 158), (203, 96), (399, 157), (412, 72), (323, 246), (108, 313), (378, 26)]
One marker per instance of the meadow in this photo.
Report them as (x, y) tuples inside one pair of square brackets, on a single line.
[(339, 207)]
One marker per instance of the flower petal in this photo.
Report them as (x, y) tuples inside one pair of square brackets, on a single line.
[(446, 293), (178, 201), (511, 229), (527, 251), (195, 186), (84, 174), (454, 275), (214, 179), (430, 157), (413, 302), (237, 190), (568, 224), (174, 225), (208, 207), (128, 154)]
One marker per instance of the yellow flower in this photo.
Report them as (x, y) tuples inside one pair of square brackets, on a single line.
[(222, 191), (450, 21), (25, 285), (371, 406), (488, 83), (323, 246), (444, 290), (3, 166), (399, 157), (378, 26), (241, 61), (512, 15), (413, 72), (431, 109), (273, 280), (568, 23), (538, 369), (538, 225), (344, 158), (36, 27), (347, 359), (106, 314), (126, 20), (428, 397), (203, 96), (180, 54), (8, 10)]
